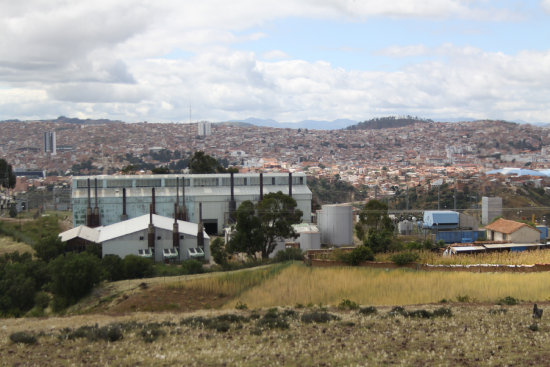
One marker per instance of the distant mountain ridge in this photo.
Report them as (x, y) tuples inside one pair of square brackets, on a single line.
[(305, 124)]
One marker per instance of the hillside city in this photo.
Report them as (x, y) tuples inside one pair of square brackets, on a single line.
[(417, 155)]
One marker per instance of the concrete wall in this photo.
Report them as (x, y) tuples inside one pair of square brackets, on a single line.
[(526, 235)]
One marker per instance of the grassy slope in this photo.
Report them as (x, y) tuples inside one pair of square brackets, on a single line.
[(472, 336), (8, 245)]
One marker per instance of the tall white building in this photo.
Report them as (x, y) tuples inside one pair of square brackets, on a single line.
[(204, 128), (49, 142)]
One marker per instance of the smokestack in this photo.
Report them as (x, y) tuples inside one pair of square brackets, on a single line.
[(232, 203), (200, 232), (261, 186), (177, 206), (154, 210), (124, 216), (290, 184), (96, 208), (183, 210), (175, 230), (89, 208), (151, 229)]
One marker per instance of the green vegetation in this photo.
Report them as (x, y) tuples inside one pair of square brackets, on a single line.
[(7, 177), (260, 226)]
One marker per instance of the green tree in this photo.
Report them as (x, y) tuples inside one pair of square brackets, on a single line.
[(73, 276), (112, 266), (375, 215), (259, 227), (7, 177), (217, 249), (160, 170), (49, 248), (247, 236), (137, 267), (203, 163)]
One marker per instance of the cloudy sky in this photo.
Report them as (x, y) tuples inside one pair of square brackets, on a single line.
[(287, 60)]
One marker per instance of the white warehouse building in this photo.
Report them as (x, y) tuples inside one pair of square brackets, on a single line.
[(104, 200)]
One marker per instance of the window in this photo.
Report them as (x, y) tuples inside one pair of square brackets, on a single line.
[(181, 237), (141, 238), (148, 182), (205, 181), (158, 238)]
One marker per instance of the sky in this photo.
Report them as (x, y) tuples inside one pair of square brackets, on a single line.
[(219, 60)]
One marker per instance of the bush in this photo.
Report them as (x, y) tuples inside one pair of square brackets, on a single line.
[(272, 320), (370, 310), (318, 317), (23, 337), (357, 255), (347, 304), (217, 249), (74, 275), (41, 300), (137, 267), (404, 258), (113, 268), (192, 267), (508, 301), (289, 254), (49, 248)]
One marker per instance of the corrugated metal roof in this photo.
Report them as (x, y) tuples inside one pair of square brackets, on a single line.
[(84, 232), (142, 222), (467, 248)]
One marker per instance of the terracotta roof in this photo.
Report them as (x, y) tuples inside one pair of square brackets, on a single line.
[(506, 226)]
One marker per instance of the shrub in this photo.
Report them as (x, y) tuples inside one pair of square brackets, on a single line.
[(347, 304), (289, 254), (49, 248), (404, 258), (23, 337), (217, 249), (357, 255), (137, 267), (273, 319), (443, 312), (508, 301), (498, 311), (192, 267), (112, 267), (241, 306), (74, 275), (151, 332), (414, 246), (318, 317), (41, 300), (463, 298), (370, 310)]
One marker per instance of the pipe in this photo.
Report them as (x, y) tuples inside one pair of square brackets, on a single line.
[(261, 186), (151, 229), (232, 203), (96, 208), (89, 208), (290, 184), (124, 215), (175, 230), (183, 210), (176, 207), (153, 200), (200, 231)]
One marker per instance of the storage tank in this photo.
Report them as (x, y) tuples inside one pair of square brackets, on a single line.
[(336, 224), (310, 240)]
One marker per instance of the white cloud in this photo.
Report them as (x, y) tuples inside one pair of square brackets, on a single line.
[(404, 51), (545, 5), (275, 55)]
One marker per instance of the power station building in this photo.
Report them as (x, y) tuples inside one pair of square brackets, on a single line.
[(104, 200)]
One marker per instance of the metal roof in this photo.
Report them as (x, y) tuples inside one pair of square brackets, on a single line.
[(84, 232), (142, 222)]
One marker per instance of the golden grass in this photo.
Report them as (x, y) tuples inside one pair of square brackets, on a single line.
[(299, 284), (8, 245), (231, 283), (504, 258)]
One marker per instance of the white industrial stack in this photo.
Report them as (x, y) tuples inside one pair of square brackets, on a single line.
[(491, 207), (335, 223)]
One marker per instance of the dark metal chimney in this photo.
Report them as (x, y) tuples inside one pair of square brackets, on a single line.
[(200, 231), (177, 206), (153, 203), (151, 229), (96, 208), (89, 208), (261, 186), (183, 210), (290, 184), (124, 216), (232, 203), (175, 230)]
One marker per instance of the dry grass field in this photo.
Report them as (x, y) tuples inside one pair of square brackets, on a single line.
[(481, 335), (8, 245)]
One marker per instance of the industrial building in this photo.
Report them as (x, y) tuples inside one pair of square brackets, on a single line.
[(491, 207), (50, 145), (104, 200), (152, 236)]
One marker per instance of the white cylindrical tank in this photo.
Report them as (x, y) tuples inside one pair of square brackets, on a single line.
[(310, 241), (336, 224)]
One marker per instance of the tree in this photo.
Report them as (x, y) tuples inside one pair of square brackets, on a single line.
[(375, 215), (248, 235), (73, 276), (259, 227), (203, 163), (7, 177), (49, 248), (160, 170)]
